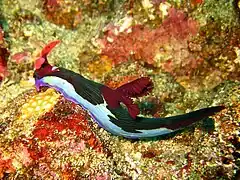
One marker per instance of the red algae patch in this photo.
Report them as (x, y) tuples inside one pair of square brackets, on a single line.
[(142, 43), (5, 166), (56, 128), (3, 56), (63, 13), (60, 130)]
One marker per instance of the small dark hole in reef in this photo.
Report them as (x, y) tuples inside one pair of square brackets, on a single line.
[(237, 175), (237, 9), (225, 160), (149, 154), (235, 142), (236, 155)]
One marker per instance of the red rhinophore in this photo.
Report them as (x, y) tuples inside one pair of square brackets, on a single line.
[(46, 50), (38, 63), (43, 57)]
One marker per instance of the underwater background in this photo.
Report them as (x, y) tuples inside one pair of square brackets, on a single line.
[(189, 48)]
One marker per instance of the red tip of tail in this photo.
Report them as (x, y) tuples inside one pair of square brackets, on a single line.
[(137, 88)]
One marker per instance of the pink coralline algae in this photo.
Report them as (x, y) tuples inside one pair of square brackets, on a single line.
[(5, 166), (179, 26), (64, 130), (142, 43), (51, 3), (52, 128), (20, 57)]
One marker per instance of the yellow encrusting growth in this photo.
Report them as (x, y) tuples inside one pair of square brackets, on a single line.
[(39, 104), (101, 66), (35, 107)]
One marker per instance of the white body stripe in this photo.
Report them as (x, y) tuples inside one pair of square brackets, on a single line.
[(98, 112)]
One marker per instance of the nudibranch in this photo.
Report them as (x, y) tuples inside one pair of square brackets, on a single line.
[(112, 109)]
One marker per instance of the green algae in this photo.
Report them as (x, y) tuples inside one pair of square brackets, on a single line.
[(220, 11)]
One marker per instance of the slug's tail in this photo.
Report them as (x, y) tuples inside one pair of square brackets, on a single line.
[(143, 127), (170, 124), (181, 121)]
